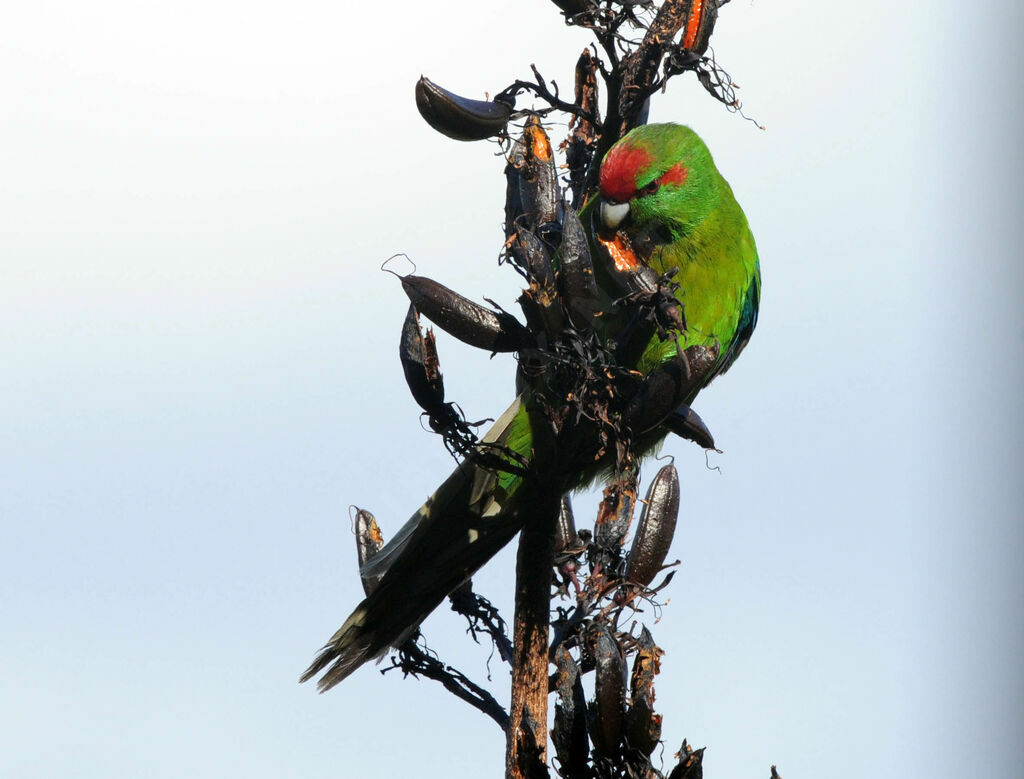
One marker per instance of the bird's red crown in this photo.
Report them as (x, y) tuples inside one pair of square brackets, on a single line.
[(620, 170)]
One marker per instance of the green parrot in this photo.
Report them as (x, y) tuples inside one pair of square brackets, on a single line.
[(662, 205)]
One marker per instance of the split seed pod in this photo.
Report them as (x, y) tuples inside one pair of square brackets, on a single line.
[(615, 513), (569, 733), (565, 530), (369, 541), (582, 140), (700, 22), (643, 726), (538, 178), (690, 763), (513, 187), (420, 364), (529, 253)]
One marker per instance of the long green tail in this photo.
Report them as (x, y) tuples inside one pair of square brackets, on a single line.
[(470, 517)]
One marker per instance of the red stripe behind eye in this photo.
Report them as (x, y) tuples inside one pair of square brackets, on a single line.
[(675, 175)]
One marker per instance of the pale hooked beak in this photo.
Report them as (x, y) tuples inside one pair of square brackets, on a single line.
[(612, 214)]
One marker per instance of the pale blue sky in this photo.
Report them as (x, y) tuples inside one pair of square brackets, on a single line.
[(200, 374)]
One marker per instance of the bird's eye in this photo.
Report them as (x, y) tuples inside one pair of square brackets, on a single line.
[(650, 189)]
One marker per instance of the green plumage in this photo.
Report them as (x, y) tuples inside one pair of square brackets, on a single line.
[(660, 191), (709, 242)]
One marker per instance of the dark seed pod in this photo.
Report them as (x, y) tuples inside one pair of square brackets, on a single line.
[(656, 527), (701, 362), (470, 322), (582, 140), (530, 253), (666, 388), (632, 340), (538, 179), (700, 22), (420, 365), (686, 423), (645, 112), (460, 117), (576, 281), (643, 726), (569, 734), (625, 254), (661, 392), (572, 7), (638, 279), (690, 763), (608, 708), (646, 666), (615, 513), (513, 187), (540, 302), (369, 541), (565, 530)]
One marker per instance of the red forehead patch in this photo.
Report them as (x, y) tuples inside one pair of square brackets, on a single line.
[(620, 170)]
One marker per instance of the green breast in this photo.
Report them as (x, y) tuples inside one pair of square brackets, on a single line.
[(719, 282)]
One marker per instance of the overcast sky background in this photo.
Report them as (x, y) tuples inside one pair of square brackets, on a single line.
[(200, 375)]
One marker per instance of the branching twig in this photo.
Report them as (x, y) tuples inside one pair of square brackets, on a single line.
[(541, 90), (482, 615), (412, 660)]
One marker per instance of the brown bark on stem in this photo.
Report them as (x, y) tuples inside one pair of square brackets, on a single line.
[(526, 752)]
